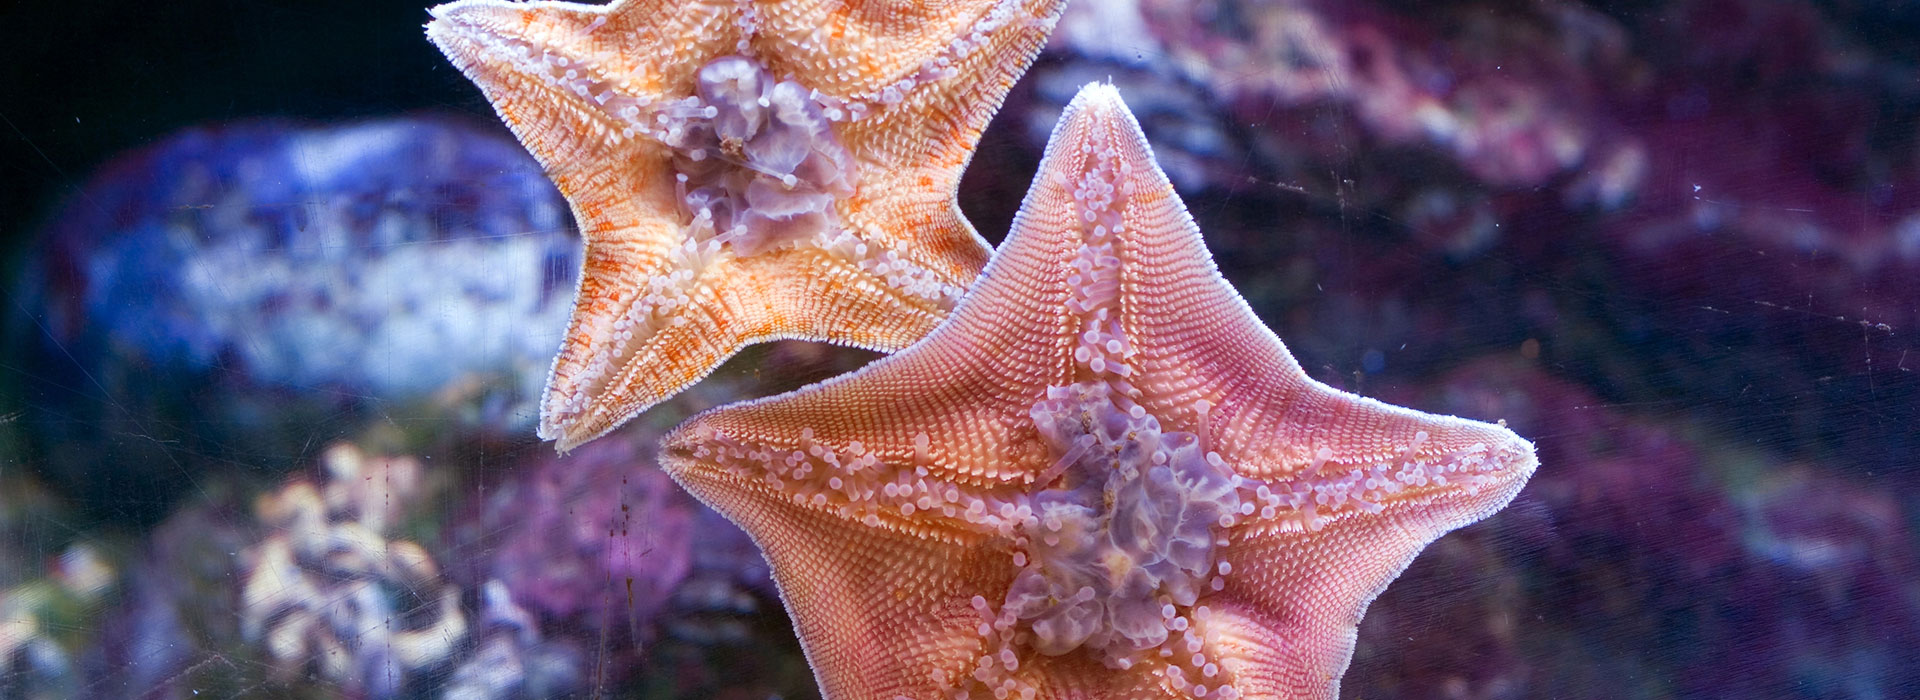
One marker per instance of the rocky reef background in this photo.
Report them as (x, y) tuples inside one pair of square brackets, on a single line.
[(279, 290)]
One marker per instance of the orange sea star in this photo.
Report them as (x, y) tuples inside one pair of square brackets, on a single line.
[(745, 170)]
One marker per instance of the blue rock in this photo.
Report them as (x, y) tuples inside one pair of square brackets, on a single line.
[(231, 281)]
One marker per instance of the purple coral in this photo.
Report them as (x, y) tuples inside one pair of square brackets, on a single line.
[(1643, 550), (605, 555), (1510, 100), (600, 537)]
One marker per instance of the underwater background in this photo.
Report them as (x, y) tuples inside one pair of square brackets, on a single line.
[(281, 294)]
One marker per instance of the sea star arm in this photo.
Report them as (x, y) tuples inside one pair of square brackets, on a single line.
[(1287, 619), (890, 612), (533, 60)]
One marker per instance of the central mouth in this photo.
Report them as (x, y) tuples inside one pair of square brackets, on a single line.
[(1125, 536)]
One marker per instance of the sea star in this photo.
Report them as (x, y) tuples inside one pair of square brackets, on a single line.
[(745, 171), (1100, 477)]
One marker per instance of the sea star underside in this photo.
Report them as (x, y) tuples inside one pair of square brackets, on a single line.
[(1100, 477), (745, 170)]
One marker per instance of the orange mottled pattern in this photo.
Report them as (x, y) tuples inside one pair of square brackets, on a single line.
[(914, 85), (874, 495)]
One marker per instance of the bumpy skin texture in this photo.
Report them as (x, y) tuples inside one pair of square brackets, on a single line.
[(842, 183), (1000, 509)]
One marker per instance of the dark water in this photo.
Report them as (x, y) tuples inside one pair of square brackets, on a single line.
[(280, 293)]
